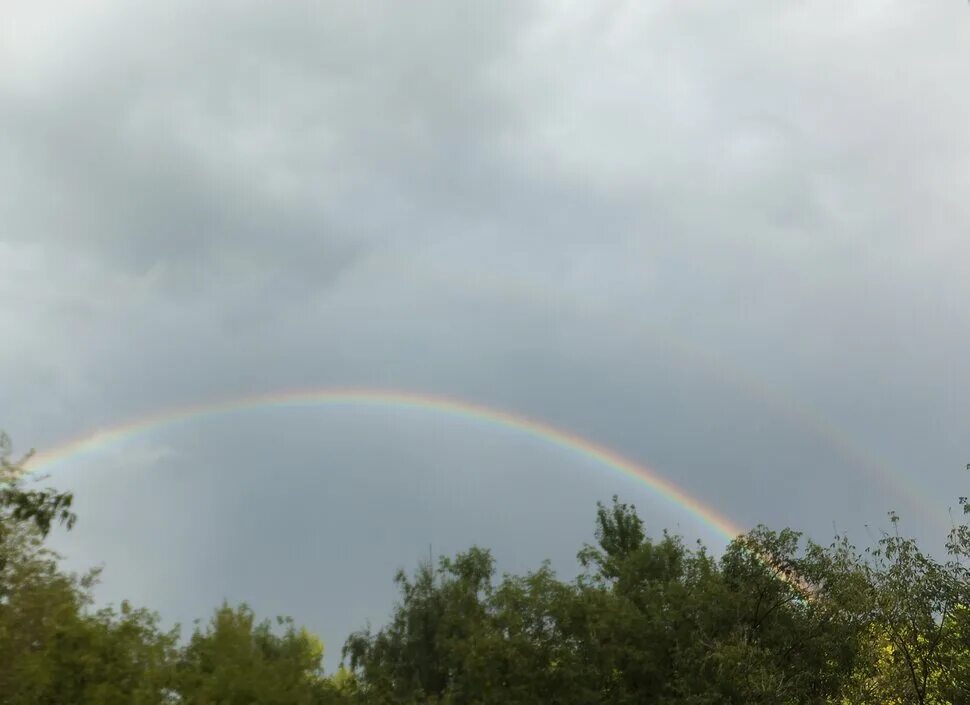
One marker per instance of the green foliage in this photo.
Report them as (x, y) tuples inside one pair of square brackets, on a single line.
[(55, 650), (918, 651), (776, 619), (52, 650), (17, 505), (236, 661), (619, 532)]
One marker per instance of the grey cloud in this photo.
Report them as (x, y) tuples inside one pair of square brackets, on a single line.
[(185, 132), (727, 240)]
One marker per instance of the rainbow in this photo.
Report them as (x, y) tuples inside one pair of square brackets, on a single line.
[(574, 443), (800, 414)]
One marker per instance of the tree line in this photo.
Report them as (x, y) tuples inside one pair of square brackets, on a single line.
[(776, 619)]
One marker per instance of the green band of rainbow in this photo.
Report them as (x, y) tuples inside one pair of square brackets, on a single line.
[(572, 442)]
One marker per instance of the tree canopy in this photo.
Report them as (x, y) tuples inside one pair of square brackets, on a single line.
[(776, 618)]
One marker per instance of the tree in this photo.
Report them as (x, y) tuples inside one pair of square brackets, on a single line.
[(918, 650), (414, 658), (17, 505), (777, 619), (235, 660), (667, 624), (52, 650)]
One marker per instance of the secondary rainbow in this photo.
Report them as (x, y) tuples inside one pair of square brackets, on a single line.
[(97, 440), (801, 414)]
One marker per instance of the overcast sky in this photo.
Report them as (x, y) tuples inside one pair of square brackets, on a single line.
[(729, 240)]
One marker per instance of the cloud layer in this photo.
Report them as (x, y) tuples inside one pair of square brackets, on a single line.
[(728, 241)]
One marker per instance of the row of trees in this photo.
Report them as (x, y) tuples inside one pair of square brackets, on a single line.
[(775, 619)]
